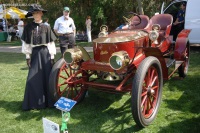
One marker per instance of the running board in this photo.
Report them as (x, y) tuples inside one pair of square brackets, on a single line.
[(169, 62), (172, 66), (177, 65)]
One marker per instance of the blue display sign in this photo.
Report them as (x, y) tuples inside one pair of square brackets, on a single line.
[(65, 104)]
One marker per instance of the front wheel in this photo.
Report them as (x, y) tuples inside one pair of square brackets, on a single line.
[(60, 86), (147, 91)]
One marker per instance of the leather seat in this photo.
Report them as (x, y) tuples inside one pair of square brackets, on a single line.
[(165, 22), (135, 20)]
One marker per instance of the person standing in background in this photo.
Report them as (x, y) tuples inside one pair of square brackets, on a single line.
[(88, 23), (65, 29), (46, 20), (1, 25), (4, 23), (178, 25), (20, 27)]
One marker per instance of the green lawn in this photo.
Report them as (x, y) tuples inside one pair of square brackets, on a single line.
[(100, 112), (12, 43), (18, 43)]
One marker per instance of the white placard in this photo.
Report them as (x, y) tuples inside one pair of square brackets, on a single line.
[(50, 127)]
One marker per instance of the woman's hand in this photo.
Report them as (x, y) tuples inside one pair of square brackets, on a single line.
[(28, 62), (52, 62)]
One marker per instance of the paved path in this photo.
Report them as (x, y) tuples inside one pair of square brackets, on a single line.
[(17, 49)]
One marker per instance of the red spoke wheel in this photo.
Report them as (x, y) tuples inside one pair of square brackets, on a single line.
[(62, 83), (147, 91), (183, 69)]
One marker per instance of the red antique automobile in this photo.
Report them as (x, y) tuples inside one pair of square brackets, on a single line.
[(139, 56)]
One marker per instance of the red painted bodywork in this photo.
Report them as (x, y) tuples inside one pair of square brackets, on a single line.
[(102, 52), (137, 49), (181, 43)]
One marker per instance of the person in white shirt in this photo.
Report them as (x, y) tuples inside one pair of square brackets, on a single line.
[(88, 26), (4, 23), (20, 27), (65, 29)]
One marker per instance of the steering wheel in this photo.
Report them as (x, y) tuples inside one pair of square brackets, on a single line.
[(129, 20)]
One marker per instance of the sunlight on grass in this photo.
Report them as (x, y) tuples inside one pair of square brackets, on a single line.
[(12, 43), (18, 43), (100, 111)]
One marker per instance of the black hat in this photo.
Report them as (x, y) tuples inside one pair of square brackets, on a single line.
[(34, 8)]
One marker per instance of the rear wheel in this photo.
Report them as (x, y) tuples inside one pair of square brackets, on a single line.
[(183, 69), (60, 85), (147, 91)]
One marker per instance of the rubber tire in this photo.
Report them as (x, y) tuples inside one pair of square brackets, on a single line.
[(182, 70), (137, 90), (54, 78)]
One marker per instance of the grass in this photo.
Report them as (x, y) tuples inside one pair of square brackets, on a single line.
[(12, 43), (100, 112), (18, 43)]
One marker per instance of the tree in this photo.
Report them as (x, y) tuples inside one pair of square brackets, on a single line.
[(140, 7), (109, 12)]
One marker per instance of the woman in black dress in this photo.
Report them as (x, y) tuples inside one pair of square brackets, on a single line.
[(39, 47)]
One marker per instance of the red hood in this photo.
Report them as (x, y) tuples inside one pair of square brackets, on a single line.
[(121, 36)]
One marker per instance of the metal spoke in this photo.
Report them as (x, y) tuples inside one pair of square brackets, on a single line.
[(76, 90), (64, 89), (155, 87), (68, 92), (145, 107), (143, 100), (150, 102), (155, 78), (59, 85), (62, 77), (144, 93), (148, 77), (151, 79), (66, 72)]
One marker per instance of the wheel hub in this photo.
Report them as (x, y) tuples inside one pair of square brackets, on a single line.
[(71, 82), (150, 91)]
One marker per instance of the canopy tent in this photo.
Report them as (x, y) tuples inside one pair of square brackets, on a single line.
[(13, 13)]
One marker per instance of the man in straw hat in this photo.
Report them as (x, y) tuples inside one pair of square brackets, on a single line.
[(65, 29), (39, 47)]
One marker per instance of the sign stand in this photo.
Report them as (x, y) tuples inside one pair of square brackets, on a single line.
[(65, 105)]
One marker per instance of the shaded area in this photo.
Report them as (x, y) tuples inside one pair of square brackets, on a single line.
[(103, 108), (16, 107), (183, 98), (185, 126), (105, 112)]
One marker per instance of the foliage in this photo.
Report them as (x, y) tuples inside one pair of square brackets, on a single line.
[(107, 12)]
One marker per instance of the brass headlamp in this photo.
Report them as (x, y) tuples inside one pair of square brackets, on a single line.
[(73, 55), (119, 60)]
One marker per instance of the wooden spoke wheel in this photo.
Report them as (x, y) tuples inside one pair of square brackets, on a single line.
[(183, 69), (147, 91), (67, 82)]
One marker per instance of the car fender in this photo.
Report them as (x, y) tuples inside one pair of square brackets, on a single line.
[(150, 51), (180, 44)]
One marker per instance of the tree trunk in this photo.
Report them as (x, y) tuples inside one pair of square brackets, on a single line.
[(141, 12)]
